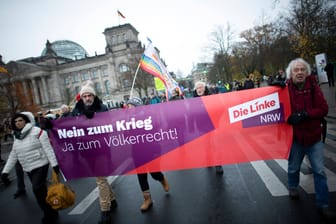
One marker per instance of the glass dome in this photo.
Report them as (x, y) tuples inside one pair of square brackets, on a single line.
[(67, 49)]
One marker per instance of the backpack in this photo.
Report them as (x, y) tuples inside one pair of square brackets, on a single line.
[(323, 120)]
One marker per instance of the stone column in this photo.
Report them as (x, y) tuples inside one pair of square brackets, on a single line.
[(25, 92), (45, 92), (36, 95)]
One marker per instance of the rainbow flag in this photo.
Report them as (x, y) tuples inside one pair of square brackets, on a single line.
[(151, 63)]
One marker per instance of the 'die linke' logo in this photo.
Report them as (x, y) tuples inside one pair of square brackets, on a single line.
[(254, 107)]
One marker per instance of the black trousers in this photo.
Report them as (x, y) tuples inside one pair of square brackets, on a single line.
[(38, 178), (143, 180), (331, 80), (20, 177)]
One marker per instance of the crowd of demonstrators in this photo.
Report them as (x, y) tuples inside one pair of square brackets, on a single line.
[(65, 111), (201, 89), (154, 99), (88, 105), (248, 83), (29, 141), (143, 177), (329, 68)]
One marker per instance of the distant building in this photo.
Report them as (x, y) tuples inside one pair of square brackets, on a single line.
[(55, 77), (201, 71)]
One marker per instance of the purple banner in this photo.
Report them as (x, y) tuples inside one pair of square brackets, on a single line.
[(118, 141)]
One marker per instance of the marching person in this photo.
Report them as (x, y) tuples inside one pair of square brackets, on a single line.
[(88, 105), (308, 107), (32, 148), (202, 90), (142, 177)]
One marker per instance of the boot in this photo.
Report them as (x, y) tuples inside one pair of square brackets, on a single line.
[(105, 218), (147, 204), (165, 184)]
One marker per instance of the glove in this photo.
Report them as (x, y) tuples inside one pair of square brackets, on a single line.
[(48, 124), (282, 84), (56, 169), (296, 118), (89, 114), (5, 179)]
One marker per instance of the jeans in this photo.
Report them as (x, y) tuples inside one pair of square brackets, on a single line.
[(315, 156)]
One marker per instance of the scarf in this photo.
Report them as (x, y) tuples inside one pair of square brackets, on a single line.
[(21, 134)]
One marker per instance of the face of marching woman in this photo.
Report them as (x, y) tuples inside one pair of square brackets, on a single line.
[(19, 123)]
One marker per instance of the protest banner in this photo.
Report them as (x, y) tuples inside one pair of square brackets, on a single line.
[(228, 128)]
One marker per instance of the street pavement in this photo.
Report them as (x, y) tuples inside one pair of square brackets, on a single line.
[(246, 193)]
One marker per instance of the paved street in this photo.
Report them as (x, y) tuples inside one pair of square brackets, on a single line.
[(246, 193)]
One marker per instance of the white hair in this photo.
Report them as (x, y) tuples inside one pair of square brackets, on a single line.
[(295, 61), (200, 83)]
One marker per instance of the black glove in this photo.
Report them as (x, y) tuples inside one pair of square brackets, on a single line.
[(5, 179), (56, 169), (48, 124), (282, 84), (296, 118), (89, 114)]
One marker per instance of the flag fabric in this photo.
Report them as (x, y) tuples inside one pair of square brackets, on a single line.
[(220, 129), (151, 63), (159, 86), (121, 15), (3, 70)]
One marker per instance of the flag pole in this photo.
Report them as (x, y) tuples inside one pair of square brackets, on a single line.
[(136, 72)]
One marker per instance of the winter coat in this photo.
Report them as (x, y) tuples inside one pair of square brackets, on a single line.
[(310, 99), (97, 106), (33, 151)]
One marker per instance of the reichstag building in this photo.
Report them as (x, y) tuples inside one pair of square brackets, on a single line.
[(55, 77)]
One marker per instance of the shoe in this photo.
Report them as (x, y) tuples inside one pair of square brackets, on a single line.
[(165, 184), (113, 205), (19, 193), (105, 218), (293, 193), (147, 203), (219, 170), (327, 213), (50, 218)]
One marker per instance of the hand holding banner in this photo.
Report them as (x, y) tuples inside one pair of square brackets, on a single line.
[(227, 128)]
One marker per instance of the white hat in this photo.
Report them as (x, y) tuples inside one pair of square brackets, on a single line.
[(88, 88)]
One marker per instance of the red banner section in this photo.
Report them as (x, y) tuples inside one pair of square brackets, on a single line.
[(229, 128)]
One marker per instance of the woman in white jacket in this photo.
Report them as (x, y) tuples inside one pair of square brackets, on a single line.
[(33, 150)]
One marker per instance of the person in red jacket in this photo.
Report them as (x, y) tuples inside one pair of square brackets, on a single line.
[(308, 107)]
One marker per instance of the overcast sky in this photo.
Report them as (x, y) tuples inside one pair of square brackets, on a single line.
[(180, 29)]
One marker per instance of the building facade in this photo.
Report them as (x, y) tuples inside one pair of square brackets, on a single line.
[(55, 77)]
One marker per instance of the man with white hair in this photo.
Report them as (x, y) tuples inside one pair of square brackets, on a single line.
[(202, 90), (308, 107), (88, 105)]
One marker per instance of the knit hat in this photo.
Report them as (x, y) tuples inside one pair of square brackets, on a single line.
[(135, 101), (88, 88)]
